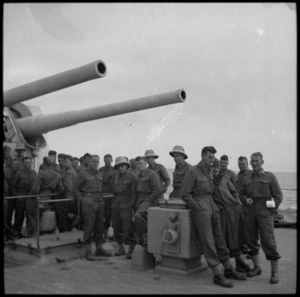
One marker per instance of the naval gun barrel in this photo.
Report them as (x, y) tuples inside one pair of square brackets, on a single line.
[(96, 69), (37, 125)]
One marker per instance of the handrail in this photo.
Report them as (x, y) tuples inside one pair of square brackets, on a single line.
[(29, 196), (39, 202)]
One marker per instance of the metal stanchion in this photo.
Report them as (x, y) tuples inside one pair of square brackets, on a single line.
[(38, 223)]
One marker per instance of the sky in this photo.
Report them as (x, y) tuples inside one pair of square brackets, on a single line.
[(235, 61)]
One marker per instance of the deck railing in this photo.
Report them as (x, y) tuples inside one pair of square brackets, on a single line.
[(39, 203)]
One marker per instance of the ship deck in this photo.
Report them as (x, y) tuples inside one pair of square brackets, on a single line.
[(115, 275)]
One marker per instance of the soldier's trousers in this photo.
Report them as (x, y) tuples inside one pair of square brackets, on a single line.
[(11, 206), (107, 212), (61, 210), (31, 211), (19, 214), (122, 222), (231, 217), (93, 219), (258, 222), (206, 218)]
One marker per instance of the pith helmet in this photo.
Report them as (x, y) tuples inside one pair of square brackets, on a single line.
[(180, 150), (20, 147), (121, 160), (150, 153)]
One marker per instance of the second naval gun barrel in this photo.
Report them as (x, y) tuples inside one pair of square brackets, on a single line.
[(37, 125), (96, 69)]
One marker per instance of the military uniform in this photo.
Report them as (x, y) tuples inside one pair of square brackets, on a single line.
[(148, 192), (23, 183), (230, 174), (125, 187), (87, 187), (9, 172), (163, 176), (239, 178), (48, 182), (227, 199), (197, 191), (178, 176), (107, 174), (258, 220), (63, 208)]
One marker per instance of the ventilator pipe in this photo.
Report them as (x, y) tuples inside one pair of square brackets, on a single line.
[(96, 69), (37, 125)]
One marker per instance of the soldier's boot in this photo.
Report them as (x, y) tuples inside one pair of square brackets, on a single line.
[(101, 252), (88, 253), (230, 272), (130, 251), (241, 265), (274, 272), (220, 280), (256, 269), (120, 251)]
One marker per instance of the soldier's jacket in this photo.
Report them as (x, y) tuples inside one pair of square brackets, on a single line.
[(196, 183), (224, 191), (231, 175), (261, 185), (87, 182), (108, 174), (23, 182), (239, 178), (68, 178), (162, 174), (149, 187), (49, 181), (125, 190), (178, 176)]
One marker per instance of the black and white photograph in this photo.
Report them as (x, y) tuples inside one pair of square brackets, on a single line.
[(149, 148)]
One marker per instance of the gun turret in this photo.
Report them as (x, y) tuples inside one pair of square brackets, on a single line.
[(27, 125), (96, 69), (37, 125)]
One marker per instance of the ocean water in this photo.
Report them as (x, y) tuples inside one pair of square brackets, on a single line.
[(287, 182)]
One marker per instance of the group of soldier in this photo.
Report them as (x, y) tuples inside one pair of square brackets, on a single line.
[(229, 212)]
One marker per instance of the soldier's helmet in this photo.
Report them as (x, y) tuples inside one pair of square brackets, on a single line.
[(179, 150), (121, 160), (150, 153)]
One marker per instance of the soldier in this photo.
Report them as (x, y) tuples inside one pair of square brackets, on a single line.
[(48, 182), (181, 168), (87, 187), (61, 162), (76, 164), (125, 187), (21, 150), (52, 155), (196, 191), (66, 209), (148, 191), (23, 183), (224, 170), (159, 169), (258, 188), (244, 170), (133, 167), (10, 169), (107, 173), (227, 200)]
